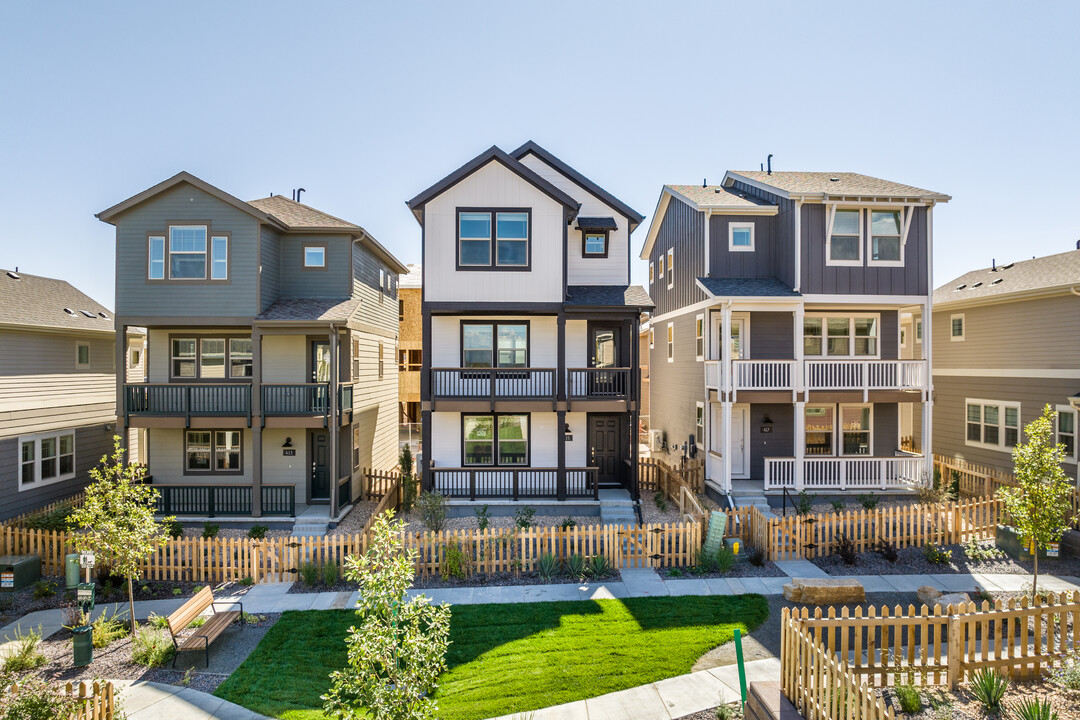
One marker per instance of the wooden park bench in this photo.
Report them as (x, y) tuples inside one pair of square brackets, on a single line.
[(210, 631)]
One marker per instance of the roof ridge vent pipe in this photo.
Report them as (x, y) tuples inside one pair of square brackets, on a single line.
[(993, 264), (705, 185), (298, 191), (769, 160)]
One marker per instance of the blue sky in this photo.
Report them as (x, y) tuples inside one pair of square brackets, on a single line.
[(367, 104)]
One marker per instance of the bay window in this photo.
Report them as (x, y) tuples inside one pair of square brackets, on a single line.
[(46, 458), (495, 440), (993, 424), (213, 452), (510, 239)]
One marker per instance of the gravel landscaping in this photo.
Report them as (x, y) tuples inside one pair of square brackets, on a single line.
[(912, 561), (354, 522), (196, 531), (939, 704), (651, 512), (413, 523)]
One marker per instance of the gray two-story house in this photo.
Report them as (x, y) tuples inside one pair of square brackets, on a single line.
[(775, 339), (270, 377)]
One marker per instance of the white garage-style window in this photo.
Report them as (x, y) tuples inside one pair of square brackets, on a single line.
[(992, 424), (741, 237), (46, 458)]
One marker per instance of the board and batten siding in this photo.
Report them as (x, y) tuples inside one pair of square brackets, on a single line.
[(379, 307), (683, 228), (329, 282), (675, 387), (611, 270), (186, 204), (821, 278), (493, 186), (270, 272), (772, 336), (759, 263)]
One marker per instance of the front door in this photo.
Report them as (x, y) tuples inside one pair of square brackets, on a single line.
[(320, 466), (738, 450), (604, 353), (606, 448)]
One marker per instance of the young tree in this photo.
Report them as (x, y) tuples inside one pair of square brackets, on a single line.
[(397, 649), (117, 519), (408, 479), (1039, 505)]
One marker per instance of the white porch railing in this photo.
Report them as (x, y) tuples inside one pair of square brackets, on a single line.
[(712, 374), (865, 374), (846, 473), (764, 374)]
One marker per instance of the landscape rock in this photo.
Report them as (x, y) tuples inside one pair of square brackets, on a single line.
[(824, 591), (951, 599), (928, 595)]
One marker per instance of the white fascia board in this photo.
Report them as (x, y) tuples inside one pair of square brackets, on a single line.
[(657, 219), (866, 301)]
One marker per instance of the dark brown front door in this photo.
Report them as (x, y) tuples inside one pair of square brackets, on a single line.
[(320, 466), (606, 450)]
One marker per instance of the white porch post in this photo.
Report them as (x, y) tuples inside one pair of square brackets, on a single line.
[(800, 444), (928, 349), (799, 385), (797, 339), (726, 385)]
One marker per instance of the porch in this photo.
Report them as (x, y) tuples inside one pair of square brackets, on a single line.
[(517, 484), (844, 473), (798, 376)]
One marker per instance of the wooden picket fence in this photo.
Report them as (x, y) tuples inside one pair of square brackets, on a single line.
[(73, 501), (654, 475), (98, 700), (377, 483), (943, 646)]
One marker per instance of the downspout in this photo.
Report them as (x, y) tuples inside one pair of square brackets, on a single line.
[(928, 349), (335, 419), (708, 242), (1075, 290)]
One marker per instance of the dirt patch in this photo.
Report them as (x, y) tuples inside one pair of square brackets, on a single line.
[(912, 561), (354, 522)]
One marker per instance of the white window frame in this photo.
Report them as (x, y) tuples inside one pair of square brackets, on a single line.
[(652, 278), (870, 261), (903, 337), (963, 327), (82, 365), (1068, 410), (851, 335), (206, 253), (150, 257), (661, 273), (699, 336), (670, 268), (835, 433), (671, 342), (211, 260), (830, 217), (136, 357), (322, 254), (918, 331), (38, 482), (1001, 426), (732, 227), (838, 429), (699, 424)]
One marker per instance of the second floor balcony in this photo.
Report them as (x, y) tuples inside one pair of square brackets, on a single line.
[(234, 400), (494, 384), (817, 375)]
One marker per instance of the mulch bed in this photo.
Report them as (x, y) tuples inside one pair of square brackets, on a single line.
[(912, 561), (962, 705)]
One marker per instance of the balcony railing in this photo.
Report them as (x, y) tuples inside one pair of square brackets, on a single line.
[(846, 473), (294, 400), (175, 399), (493, 383), (598, 383), (862, 375), (216, 500), (515, 483)]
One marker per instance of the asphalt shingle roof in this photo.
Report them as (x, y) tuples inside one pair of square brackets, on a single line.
[(833, 183), (747, 287), (298, 215), (608, 295), (315, 310), (1035, 274), (597, 223), (717, 196), (38, 301)]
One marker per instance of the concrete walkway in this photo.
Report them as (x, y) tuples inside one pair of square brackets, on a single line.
[(158, 701)]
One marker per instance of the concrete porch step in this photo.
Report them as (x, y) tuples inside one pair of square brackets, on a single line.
[(308, 528)]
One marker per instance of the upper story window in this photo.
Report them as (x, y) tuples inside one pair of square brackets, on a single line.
[(845, 241), (1066, 430), (885, 245), (670, 267), (670, 342), (209, 358), (652, 277), (315, 256), (956, 327), (493, 239), (699, 336), (82, 355), (189, 252), (741, 237), (594, 244), (840, 336), (992, 424), (494, 344)]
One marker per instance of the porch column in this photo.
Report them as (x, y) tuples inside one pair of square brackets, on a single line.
[(800, 444), (797, 384), (726, 456), (634, 400), (928, 392), (727, 386), (256, 422), (424, 467), (335, 422)]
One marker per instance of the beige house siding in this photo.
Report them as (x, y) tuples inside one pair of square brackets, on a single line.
[(375, 406)]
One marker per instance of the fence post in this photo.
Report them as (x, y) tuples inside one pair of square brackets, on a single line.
[(955, 645)]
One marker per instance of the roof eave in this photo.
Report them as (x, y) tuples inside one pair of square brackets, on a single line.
[(1029, 294), (110, 214), (731, 176)]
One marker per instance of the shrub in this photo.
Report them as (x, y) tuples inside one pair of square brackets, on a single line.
[(1033, 709), (757, 557), (845, 548), (661, 501), (725, 560), (936, 555), (24, 654), (108, 628), (55, 520), (567, 523), (454, 563), (705, 563), (954, 486), (989, 686), (804, 503), (309, 573), (330, 573), (107, 589), (888, 551), (43, 589), (210, 530), (575, 566), (728, 712), (909, 699), (174, 528), (1067, 674), (432, 507), (37, 699), (247, 581), (973, 550), (868, 501), (838, 505), (198, 622), (674, 572), (598, 567), (258, 532), (158, 621), (251, 618), (153, 647), (177, 592), (523, 517), (408, 479), (483, 517), (547, 566)]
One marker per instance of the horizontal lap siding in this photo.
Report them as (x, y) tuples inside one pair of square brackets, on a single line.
[(299, 282), (270, 272), (375, 405), (682, 228), (676, 386), (378, 307)]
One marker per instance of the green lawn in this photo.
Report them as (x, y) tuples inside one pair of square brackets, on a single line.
[(506, 658)]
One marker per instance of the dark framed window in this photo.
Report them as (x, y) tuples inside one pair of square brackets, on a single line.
[(381, 367), (494, 238), (495, 440), (210, 358), (213, 452), (594, 243), (495, 344)]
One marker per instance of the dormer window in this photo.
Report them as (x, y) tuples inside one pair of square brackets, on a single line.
[(595, 233), (594, 244), (511, 239)]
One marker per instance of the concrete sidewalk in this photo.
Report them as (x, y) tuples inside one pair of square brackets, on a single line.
[(158, 701)]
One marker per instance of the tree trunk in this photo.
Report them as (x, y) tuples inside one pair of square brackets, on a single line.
[(131, 607), (1035, 579)]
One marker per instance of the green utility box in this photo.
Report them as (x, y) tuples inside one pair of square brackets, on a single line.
[(83, 645), (71, 570), (18, 572)]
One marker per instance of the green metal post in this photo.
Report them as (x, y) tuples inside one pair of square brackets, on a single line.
[(742, 667)]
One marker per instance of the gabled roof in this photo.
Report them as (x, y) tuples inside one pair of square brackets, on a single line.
[(1048, 273), (608, 296), (298, 216), (115, 211), (745, 287), (491, 154), (40, 302), (310, 310), (818, 185), (631, 214), (718, 197)]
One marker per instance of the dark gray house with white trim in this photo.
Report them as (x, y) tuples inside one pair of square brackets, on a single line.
[(776, 331)]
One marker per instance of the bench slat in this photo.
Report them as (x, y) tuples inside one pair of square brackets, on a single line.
[(193, 608), (213, 628)]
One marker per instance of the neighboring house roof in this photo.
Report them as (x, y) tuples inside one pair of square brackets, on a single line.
[(1026, 276), (41, 302), (298, 216), (310, 310), (789, 183), (497, 155), (609, 296), (746, 287), (632, 215), (597, 223), (412, 279), (718, 197)]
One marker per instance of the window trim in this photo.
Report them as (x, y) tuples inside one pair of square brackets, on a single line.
[(670, 268), (495, 440), (134, 357), (870, 261), (699, 415), (671, 342), (36, 438), (652, 338), (851, 337), (918, 331), (832, 444), (1000, 446), (830, 218), (82, 365), (319, 244), (495, 341), (651, 276), (732, 227), (903, 336), (166, 235), (607, 242), (213, 453), (1068, 410), (149, 252), (493, 265), (838, 433), (699, 337), (963, 327), (382, 365), (198, 338)]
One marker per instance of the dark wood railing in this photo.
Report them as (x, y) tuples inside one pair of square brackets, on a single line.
[(174, 399), (493, 383), (598, 383), (216, 500), (300, 399), (515, 483)]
